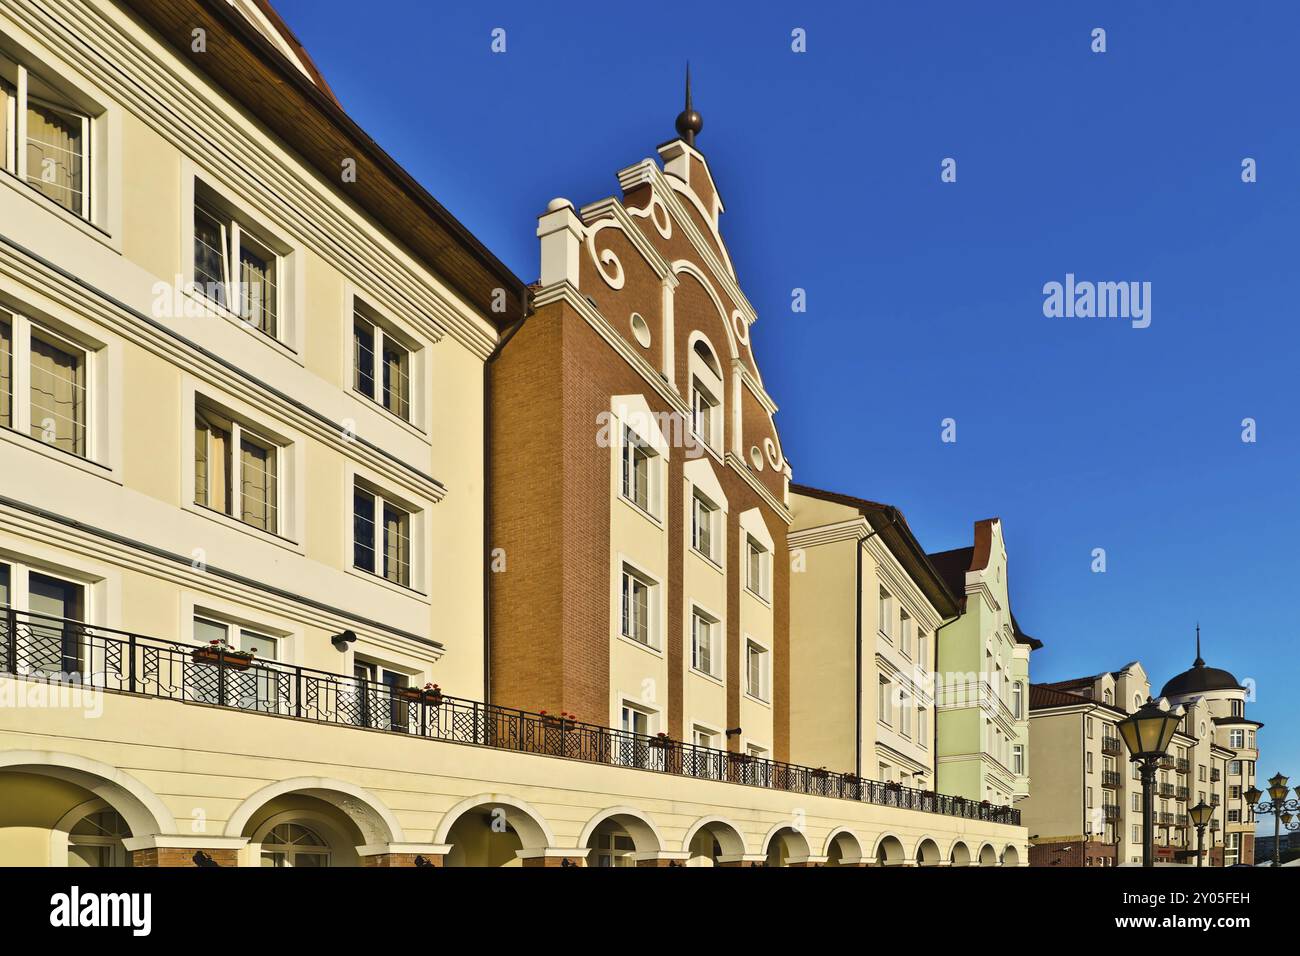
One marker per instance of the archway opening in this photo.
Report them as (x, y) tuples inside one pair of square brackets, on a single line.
[(618, 838), (713, 841), (988, 855), (784, 845), (1010, 856), (492, 834), (843, 850), (889, 852), (927, 853), (296, 830), (960, 855)]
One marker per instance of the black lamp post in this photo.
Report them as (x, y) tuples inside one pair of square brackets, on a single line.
[(1200, 814), (1147, 734), (1281, 808)]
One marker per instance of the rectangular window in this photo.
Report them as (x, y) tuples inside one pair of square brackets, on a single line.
[(1018, 700), (905, 632), (758, 569), (636, 607), (884, 702), (703, 642), (253, 689), (236, 471), (704, 414), (704, 517), (703, 737), (636, 470), (756, 670), (53, 642), (922, 727), (1234, 768), (1087, 761), (905, 714), (381, 536), (381, 366), (55, 159), (250, 289), (6, 370), (1018, 762), (884, 619), (1236, 739), (55, 405)]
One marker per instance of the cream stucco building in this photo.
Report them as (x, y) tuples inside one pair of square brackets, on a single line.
[(259, 498)]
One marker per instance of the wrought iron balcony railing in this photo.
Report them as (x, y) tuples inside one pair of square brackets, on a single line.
[(1167, 762), (1165, 789), (1110, 744), (1182, 765), (1183, 794), (1111, 811), (59, 650), (1163, 819), (1111, 779), (1214, 799), (1216, 775)]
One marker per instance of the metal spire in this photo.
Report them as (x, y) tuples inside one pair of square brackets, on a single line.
[(689, 121), (1198, 662)]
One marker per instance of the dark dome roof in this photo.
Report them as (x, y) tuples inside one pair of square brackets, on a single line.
[(1199, 679)]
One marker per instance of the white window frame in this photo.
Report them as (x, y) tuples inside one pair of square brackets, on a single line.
[(885, 701), (712, 516), (885, 615), (21, 327), (627, 571), (629, 444), (764, 590), (905, 632), (236, 467), (414, 533), (713, 629), (764, 694), (706, 394), (385, 329)]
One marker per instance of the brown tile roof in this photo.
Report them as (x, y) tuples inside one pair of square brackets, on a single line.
[(1042, 697)]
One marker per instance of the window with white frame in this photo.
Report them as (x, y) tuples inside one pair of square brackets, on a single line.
[(638, 592), (704, 737), (638, 471), (905, 714), (885, 701), (1236, 739), (706, 392), (885, 615), (253, 689), (236, 469), (922, 727), (705, 517), (758, 568), (381, 535), (757, 675), (905, 632), (50, 642), (46, 138), (381, 364), (44, 384), (704, 642), (1018, 700), (922, 649), (234, 266), (1018, 759)]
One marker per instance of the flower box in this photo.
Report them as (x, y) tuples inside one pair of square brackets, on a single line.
[(821, 773), (235, 660), (428, 694)]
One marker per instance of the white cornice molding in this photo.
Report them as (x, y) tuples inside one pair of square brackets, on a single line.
[(902, 586), (566, 293), (850, 530), (178, 104), (178, 352)]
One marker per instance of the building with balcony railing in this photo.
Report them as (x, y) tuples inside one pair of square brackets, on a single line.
[(262, 423)]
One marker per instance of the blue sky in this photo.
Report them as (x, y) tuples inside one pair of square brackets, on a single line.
[(925, 298)]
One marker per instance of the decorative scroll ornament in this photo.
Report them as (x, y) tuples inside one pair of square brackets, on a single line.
[(613, 275), (657, 212), (773, 454)]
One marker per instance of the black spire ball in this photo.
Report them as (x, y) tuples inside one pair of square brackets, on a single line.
[(689, 121)]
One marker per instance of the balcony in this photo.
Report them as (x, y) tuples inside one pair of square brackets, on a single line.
[(1183, 794), (1165, 789), (1110, 811), (1182, 821), (1163, 819), (1111, 779), (1216, 775), (1110, 744), (1182, 765), (68, 652), (1214, 799), (1167, 762)]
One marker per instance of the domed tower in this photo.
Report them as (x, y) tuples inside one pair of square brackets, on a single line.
[(1216, 704)]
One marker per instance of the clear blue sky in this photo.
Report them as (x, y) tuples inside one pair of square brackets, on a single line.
[(925, 298)]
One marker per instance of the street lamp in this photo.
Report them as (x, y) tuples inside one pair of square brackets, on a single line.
[(1200, 814), (1281, 808), (1147, 734)]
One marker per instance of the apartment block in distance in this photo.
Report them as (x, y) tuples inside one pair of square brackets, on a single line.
[(1085, 808)]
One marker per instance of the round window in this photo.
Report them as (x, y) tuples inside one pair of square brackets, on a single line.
[(641, 329), (755, 457)]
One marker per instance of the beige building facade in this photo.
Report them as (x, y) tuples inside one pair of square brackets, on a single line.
[(252, 418)]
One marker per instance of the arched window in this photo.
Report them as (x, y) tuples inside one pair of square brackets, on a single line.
[(1110, 696), (292, 844), (96, 840)]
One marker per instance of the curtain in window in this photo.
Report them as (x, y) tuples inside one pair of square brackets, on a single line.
[(58, 396), (396, 545), (6, 373), (396, 393), (257, 290), (211, 464), (54, 154), (257, 484), (363, 357), (210, 245)]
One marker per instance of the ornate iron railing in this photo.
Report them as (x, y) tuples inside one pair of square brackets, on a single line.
[(56, 649), (1110, 744), (1111, 779)]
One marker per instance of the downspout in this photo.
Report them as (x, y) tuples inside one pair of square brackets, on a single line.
[(487, 498), (857, 737)]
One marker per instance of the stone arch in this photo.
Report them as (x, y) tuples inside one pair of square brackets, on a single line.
[(638, 826), (534, 833), (785, 842), (688, 267), (1011, 856), (889, 851), (141, 808), (988, 856), (959, 854), (372, 818), (927, 852), (726, 833), (842, 848)]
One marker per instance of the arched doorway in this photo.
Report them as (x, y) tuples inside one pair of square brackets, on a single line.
[(786, 845), (988, 855), (294, 846), (1010, 856), (97, 839), (889, 852), (712, 840), (927, 853), (960, 855), (618, 837), (488, 831), (843, 849)]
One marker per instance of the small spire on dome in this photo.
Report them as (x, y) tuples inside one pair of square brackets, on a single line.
[(1198, 662), (689, 121)]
